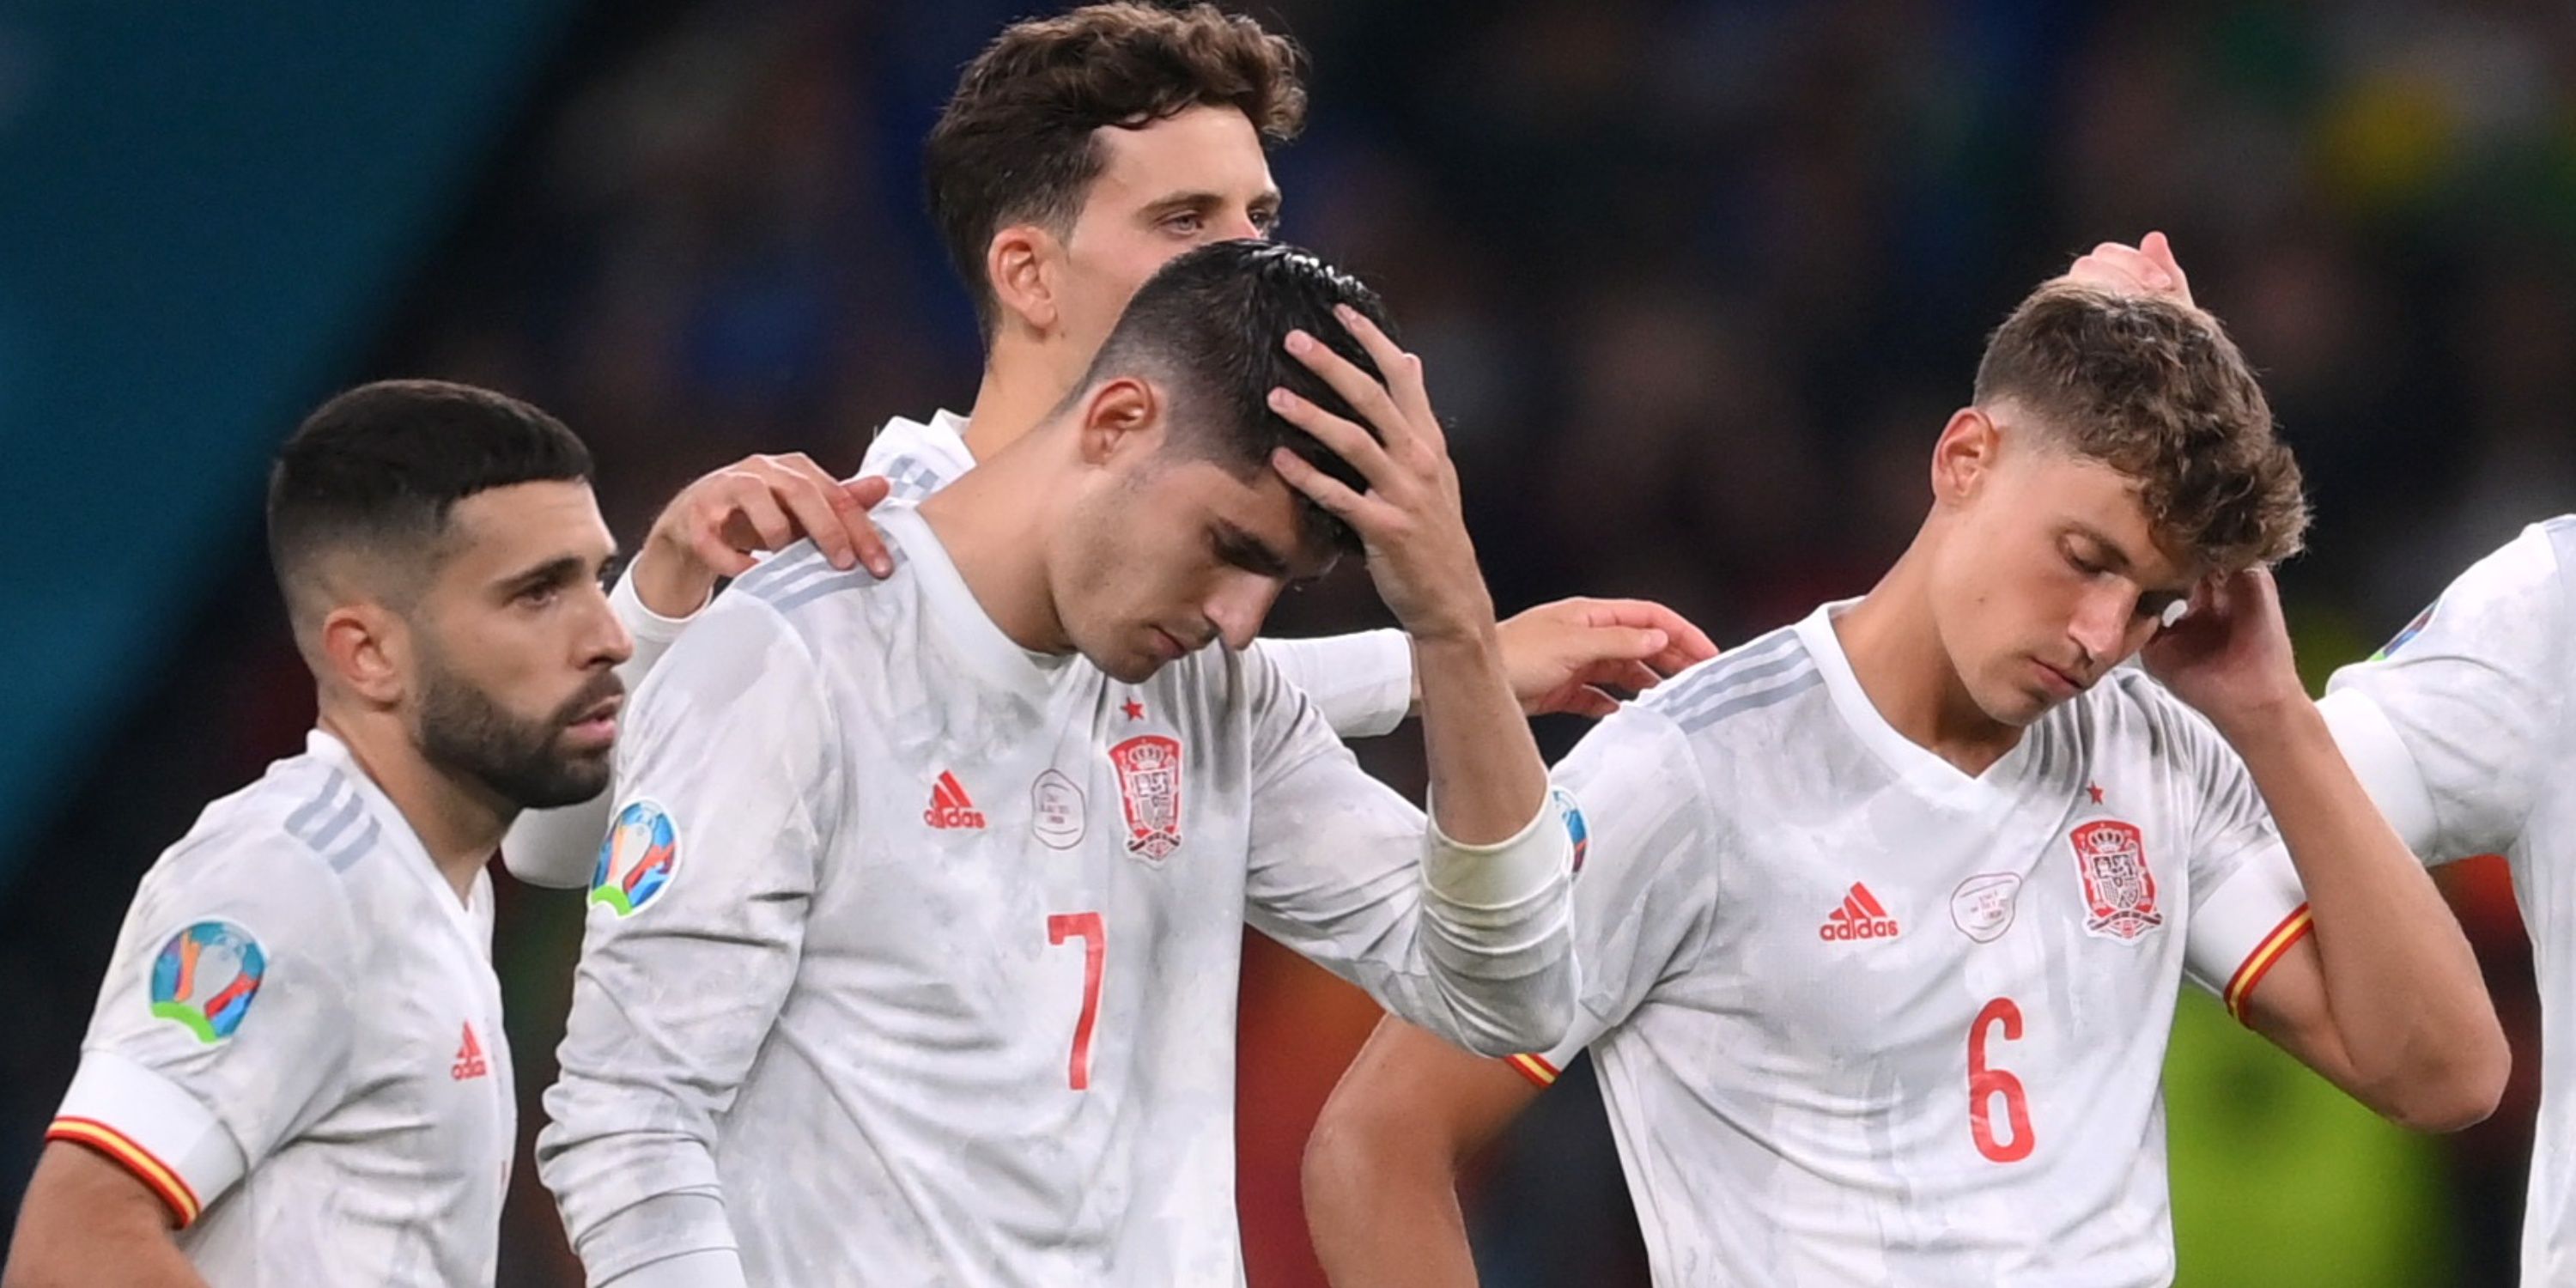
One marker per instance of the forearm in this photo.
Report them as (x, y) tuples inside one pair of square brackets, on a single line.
[(1384, 1215), (1487, 779), (40, 1260), (1363, 682), (668, 1241), (559, 848), (2403, 988), (631, 1200), (85, 1221)]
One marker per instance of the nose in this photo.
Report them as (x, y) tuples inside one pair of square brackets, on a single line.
[(604, 638), (1239, 607), (1237, 225), (2101, 624)]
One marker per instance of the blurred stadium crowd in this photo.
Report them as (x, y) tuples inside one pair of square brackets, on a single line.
[(1697, 280)]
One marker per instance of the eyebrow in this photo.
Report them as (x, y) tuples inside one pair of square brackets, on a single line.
[(2117, 560), (1248, 551), (2112, 554), (562, 570), (1203, 200)]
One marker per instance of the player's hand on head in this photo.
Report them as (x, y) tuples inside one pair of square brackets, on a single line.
[(1410, 520), (2148, 268), (2229, 653), (715, 525), (1572, 656)]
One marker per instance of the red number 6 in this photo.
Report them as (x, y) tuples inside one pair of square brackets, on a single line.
[(1984, 1084)]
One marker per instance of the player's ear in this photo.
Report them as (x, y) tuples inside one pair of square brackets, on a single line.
[(1964, 455), (1021, 263), (364, 646), (1121, 416)]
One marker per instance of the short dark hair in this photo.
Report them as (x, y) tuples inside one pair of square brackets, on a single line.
[(1212, 327), (1015, 143), (377, 469), (2155, 389)]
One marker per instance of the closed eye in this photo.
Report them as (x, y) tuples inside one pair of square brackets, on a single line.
[(1240, 549)]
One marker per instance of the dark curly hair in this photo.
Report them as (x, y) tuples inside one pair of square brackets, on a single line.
[(2156, 390), (1016, 145)]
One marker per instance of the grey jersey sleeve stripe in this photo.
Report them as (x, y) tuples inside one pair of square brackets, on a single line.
[(910, 478), (1736, 681), (773, 575), (334, 789), (1752, 698), (355, 848), (812, 589), (1764, 657), (324, 835)]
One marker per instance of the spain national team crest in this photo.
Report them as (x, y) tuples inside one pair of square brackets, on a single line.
[(205, 978), (2119, 890), (1149, 792), (637, 859)]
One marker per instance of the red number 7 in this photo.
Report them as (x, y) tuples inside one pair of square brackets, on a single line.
[(1094, 935)]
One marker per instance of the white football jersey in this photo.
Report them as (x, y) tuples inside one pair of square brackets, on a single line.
[(2460, 728), (1362, 682), (913, 956), (298, 1045), (1860, 1018)]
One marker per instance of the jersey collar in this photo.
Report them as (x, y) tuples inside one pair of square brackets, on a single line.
[(1927, 773), (470, 916), (959, 617)]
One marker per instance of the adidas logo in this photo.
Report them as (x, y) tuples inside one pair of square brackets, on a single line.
[(950, 807), (1860, 917), (469, 1059)]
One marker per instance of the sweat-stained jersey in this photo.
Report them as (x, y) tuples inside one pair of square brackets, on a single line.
[(298, 1044), (1362, 682), (912, 955), (2461, 730), (1860, 1018)]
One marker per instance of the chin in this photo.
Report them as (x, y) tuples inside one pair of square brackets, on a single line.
[(2016, 708), (570, 781), (1131, 669)]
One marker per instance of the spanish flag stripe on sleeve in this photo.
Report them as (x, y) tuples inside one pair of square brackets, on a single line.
[(2240, 987), (107, 1140), (1534, 1068)]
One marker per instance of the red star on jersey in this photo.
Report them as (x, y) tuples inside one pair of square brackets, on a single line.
[(2096, 789), (1135, 710)]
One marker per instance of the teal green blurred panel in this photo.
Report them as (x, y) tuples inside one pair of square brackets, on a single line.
[(205, 211), (2279, 1178)]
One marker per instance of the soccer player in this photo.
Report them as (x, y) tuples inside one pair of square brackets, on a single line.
[(1885, 912), (932, 888), (2459, 728), (1079, 153), (296, 1074)]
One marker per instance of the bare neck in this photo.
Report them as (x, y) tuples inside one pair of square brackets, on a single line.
[(1894, 645), (460, 824), (996, 522), (1025, 376)]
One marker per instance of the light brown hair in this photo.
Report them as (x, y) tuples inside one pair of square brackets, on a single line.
[(1015, 143), (2156, 390)]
